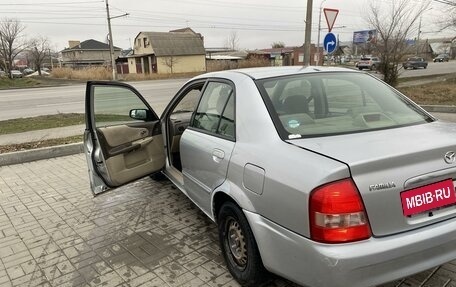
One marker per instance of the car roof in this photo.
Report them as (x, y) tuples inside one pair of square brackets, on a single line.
[(271, 72)]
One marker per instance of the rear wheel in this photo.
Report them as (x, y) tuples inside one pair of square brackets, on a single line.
[(238, 245)]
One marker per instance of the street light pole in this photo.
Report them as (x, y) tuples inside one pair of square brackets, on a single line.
[(308, 33), (319, 29), (111, 45)]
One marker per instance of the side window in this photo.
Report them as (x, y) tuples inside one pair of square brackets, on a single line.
[(215, 113), (113, 106), (189, 101)]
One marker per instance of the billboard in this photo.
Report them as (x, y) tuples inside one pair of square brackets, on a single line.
[(366, 36)]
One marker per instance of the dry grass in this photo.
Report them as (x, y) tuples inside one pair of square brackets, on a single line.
[(92, 73), (221, 65), (39, 144), (438, 93), (142, 77), (103, 73)]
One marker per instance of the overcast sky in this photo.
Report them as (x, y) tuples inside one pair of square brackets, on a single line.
[(258, 23)]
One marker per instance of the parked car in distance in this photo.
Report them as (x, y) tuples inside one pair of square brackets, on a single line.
[(368, 62), (3, 74), (16, 74), (415, 63), (28, 71), (442, 58), (311, 173)]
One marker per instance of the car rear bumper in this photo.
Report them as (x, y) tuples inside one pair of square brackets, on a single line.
[(365, 263)]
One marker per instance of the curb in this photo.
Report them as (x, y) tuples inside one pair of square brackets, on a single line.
[(40, 153)]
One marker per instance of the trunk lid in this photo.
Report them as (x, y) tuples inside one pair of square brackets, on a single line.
[(387, 162)]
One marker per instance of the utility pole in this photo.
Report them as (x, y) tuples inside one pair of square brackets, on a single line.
[(319, 30), (111, 45), (308, 35)]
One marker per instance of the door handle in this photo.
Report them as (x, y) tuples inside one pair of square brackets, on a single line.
[(218, 155)]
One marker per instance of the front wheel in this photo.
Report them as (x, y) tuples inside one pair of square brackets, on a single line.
[(238, 245)]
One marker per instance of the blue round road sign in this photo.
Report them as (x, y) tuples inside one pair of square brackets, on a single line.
[(330, 43)]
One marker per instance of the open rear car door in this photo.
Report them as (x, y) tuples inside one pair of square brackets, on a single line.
[(123, 139)]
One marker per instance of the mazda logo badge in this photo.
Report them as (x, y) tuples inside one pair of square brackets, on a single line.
[(450, 157)]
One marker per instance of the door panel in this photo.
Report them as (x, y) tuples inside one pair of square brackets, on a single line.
[(130, 152), (205, 160), (123, 140), (207, 145), (120, 135)]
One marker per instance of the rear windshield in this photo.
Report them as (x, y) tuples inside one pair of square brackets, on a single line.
[(365, 59), (335, 103)]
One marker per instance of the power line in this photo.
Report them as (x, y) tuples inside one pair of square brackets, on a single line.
[(49, 3)]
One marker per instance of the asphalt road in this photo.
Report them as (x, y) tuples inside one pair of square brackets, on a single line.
[(21, 103), (432, 69)]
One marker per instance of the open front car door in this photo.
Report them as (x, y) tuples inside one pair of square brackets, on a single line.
[(123, 139)]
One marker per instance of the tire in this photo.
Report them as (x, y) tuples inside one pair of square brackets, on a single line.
[(373, 68), (241, 256), (360, 68)]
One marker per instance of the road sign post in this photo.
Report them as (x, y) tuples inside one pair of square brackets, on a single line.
[(330, 43), (330, 15)]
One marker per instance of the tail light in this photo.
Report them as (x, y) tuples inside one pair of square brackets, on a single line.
[(337, 213)]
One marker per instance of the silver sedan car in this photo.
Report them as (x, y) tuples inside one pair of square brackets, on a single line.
[(324, 176)]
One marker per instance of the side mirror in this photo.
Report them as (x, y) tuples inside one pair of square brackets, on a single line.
[(139, 114)]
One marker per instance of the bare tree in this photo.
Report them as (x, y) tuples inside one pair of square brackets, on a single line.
[(395, 23), (11, 42), (278, 44), (232, 42), (450, 20), (39, 46), (170, 62)]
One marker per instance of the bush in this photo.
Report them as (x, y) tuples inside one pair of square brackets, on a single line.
[(90, 73), (220, 65), (103, 73)]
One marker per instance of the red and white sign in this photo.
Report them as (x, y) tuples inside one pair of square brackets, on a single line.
[(330, 15), (428, 197)]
